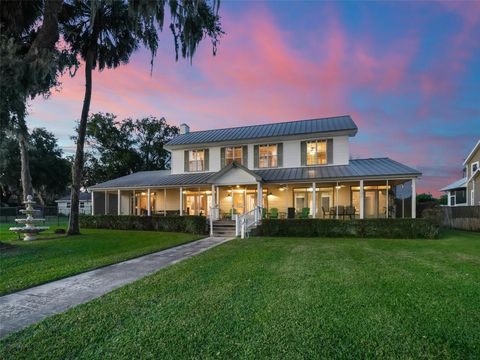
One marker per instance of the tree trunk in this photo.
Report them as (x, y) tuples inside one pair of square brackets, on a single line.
[(77, 168), (24, 162)]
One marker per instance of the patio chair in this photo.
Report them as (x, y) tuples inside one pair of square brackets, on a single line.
[(273, 213), (350, 212), (326, 212), (305, 213), (341, 211), (333, 212)]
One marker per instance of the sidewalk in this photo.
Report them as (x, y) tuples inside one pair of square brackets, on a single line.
[(23, 308)]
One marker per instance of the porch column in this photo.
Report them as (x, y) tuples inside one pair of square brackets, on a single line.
[(93, 202), (259, 194), (386, 211), (213, 210), (134, 210), (181, 201), (337, 188), (106, 202), (314, 200), (414, 198), (119, 198), (449, 201), (149, 210), (362, 201), (164, 202)]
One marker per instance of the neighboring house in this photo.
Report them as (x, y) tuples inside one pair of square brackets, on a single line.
[(472, 170), (293, 167), (466, 191), (85, 204)]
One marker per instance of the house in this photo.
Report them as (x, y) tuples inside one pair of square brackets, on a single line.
[(466, 191), (296, 168), (63, 204)]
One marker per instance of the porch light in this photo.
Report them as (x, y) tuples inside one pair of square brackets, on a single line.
[(238, 186), (338, 187), (144, 193), (184, 191), (282, 188)]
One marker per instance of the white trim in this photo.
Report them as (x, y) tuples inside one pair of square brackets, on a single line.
[(414, 199), (471, 152)]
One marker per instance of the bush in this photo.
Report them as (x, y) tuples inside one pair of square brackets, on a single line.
[(359, 228), (185, 224)]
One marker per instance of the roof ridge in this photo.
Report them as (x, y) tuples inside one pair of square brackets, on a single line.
[(267, 124)]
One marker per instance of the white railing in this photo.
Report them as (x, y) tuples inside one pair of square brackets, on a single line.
[(244, 222)]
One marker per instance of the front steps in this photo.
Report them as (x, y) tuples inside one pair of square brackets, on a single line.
[(224, 228)]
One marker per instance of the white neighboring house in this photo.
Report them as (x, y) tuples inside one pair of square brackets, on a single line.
[(456, 193), (63, 204)]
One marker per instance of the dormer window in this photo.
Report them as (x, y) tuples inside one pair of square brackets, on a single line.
[(317, 152)]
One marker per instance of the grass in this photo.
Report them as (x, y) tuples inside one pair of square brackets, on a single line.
[(25, 264), (283, 298)]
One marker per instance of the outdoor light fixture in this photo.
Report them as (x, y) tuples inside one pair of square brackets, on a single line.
[(282, 188), (238, 186), (144, 193), (338, 187)]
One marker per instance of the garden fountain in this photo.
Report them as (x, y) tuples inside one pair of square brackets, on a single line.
[(30, 231)]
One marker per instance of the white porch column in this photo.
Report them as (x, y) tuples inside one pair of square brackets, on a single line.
[(149, 210), (386, 211), (119, 199), (259, 194), (164, 202), (414, 198), (449, 201), (134, 209), (314, 200), (93, 202), (106, 202), (362, 201), (336, 197), (181, 201)]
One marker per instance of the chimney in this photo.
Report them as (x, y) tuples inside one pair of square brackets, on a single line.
[(184, 129)]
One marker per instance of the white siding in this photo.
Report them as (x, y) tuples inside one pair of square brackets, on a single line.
[(177, 161), (214, 162), (291, 153), (341, 151)]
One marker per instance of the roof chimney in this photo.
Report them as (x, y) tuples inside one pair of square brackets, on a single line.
[(184, 129)]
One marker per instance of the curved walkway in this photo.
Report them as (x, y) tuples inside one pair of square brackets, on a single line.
[(23, 308)]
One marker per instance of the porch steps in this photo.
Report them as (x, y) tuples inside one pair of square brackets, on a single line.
[(224, 228)]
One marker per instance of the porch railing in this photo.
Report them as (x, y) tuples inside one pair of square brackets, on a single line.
[(245, 222)]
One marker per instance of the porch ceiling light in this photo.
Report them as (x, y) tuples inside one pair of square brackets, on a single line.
[(238, 186), (338, 187), (144, 193)]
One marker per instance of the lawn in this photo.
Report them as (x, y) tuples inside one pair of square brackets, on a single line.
[(25, 264), (283, 298)]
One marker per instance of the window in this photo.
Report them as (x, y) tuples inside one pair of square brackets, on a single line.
[(234, 153), (82, 204), (316, 152), (68, 205), (267, 156), (474, 167), (452, 200), (196, 160)]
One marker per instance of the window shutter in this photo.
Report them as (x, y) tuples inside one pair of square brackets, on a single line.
[(206, 159), (280, 155), (255, 156), (185, 161), (303, 152), (222, 157), (245, 156), (330, 151)]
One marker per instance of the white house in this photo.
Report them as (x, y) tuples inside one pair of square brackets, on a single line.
[(296, 168), (63, 204)]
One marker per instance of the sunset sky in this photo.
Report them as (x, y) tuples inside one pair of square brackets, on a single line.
[(408, 73)]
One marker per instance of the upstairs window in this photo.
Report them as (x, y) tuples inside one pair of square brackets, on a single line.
[(234, 153), (316, 152), (474, 167), (268, 156), (196, 160)]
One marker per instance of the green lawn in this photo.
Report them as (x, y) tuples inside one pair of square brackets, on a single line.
[(283, 298), (26, 264)]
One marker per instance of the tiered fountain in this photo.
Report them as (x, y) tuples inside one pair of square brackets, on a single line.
[(30, 231)]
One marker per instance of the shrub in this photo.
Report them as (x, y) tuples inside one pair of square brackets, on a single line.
[(360, 228), (186, 224)]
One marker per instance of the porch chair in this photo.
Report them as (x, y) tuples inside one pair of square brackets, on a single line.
[(341, 211), (350, 212), (273, 213), (326, 212), (305, 213)]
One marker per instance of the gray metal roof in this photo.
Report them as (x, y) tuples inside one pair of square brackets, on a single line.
[(84, 196), (299, 127), (462, 183), (355, 169), (366, 168)]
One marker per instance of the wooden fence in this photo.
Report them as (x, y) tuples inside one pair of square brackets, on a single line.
[(462, 217)]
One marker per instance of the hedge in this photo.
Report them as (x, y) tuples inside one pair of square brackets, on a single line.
[(185, 224), (358, 228)]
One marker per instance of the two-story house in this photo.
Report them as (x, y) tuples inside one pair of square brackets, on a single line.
[(286, 168), (466, 191)]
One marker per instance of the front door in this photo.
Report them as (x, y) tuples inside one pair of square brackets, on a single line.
[(239, 201)]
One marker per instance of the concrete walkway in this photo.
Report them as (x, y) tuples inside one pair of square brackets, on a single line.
[(29, 306)]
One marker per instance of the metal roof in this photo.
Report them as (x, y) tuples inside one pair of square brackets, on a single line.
[(84, 196), (366, 168), (462, 183), (355, 169), (299, 127)]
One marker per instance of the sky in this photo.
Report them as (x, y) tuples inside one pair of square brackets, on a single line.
[(407, 72)]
